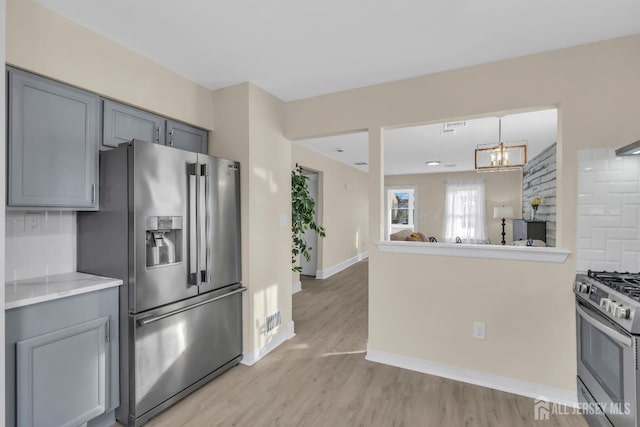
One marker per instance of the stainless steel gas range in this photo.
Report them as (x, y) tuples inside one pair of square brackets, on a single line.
[(608, 328)]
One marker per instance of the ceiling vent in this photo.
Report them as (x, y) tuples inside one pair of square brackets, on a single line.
[(455, 125), (450, 127)]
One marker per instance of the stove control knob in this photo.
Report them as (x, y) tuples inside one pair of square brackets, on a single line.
[(582, 288), (605, 303), (620, 311)]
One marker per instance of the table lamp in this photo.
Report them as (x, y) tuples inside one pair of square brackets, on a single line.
[(504, 213)]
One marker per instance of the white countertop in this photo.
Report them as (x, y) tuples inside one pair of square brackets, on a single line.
[(40, 289)]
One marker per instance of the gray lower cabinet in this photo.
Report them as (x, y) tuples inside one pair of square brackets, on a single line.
[(62, 361), (53, 134), (185, 137), (122, 123)]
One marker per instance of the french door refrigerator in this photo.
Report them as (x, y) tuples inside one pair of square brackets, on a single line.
[(169, 226)]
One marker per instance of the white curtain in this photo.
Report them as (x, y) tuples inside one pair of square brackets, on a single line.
[(464, 212)]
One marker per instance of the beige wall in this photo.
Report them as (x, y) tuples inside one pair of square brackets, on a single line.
[(270, 198), (344, 207), (527, 306), (40, 41), (501, 189), (248, 128)]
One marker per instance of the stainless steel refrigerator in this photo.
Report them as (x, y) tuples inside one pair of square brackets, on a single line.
[(169, 226)]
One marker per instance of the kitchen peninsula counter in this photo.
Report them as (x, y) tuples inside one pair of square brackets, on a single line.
[(25, 292)]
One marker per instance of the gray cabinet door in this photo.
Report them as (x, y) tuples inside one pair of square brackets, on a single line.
[(53, 133), (122, 123), (185, 137), (62, 375)]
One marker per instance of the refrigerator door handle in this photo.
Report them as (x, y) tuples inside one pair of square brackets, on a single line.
[(192, 173), (205, 223), (147, 320)]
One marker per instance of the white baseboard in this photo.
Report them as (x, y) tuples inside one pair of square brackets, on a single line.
[(296, 287), (286, 333), (328, 272), (484, 379)]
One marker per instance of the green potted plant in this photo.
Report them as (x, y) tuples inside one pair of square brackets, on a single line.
[(302, 211)]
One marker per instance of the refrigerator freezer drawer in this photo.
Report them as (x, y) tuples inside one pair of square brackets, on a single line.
[(176, 348)]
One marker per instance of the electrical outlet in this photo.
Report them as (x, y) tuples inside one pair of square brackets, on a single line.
[(32, 222), (479, 331), (283, 221)]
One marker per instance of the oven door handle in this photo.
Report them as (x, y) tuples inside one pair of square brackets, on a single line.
[(608, 331)]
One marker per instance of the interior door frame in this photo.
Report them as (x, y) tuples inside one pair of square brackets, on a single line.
[(319, 215)]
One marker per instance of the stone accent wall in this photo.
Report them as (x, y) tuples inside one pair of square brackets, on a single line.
[(539, 179)]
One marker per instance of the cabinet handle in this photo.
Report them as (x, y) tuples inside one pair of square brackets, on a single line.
[(93, 193), (171, 137), (158, 134)]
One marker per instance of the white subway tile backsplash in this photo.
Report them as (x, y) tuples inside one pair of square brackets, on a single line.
[(594, 210), (622, 234), (593, 254), (33, 252), (600, 190), (630, 216), (585, 182), (598, 238), (629, 261), (616, 164), (608, 228), (582, 265), (584, 243), (585, 226), (614, 250), (624, 187), (608, 176), (614, 222), (631, 199)]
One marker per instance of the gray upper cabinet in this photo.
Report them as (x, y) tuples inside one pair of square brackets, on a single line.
[(122, 123), (53, 134), (185, 137)]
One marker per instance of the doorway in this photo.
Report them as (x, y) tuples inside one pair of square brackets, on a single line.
[(309, 268)]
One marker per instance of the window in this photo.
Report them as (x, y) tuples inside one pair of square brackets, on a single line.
[(400, 212), (464, 212)]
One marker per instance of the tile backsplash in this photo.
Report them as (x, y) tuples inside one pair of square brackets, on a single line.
[(39, 244), (608, 211)]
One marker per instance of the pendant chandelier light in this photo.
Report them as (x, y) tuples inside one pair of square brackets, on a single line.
[(501, 156)]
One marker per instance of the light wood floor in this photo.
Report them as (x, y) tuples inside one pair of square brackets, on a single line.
[(321, 378)]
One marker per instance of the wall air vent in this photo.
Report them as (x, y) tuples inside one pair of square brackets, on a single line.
[(273, 321)]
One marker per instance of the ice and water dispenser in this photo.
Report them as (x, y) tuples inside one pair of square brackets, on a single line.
[(164, 240)]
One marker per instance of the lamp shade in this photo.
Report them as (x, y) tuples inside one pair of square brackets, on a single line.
[(505, 212)]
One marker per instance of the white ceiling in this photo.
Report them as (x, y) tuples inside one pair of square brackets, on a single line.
[(408, 149), (296, 49)]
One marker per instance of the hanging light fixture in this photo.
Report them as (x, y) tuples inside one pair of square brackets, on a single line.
[(501, 156)]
